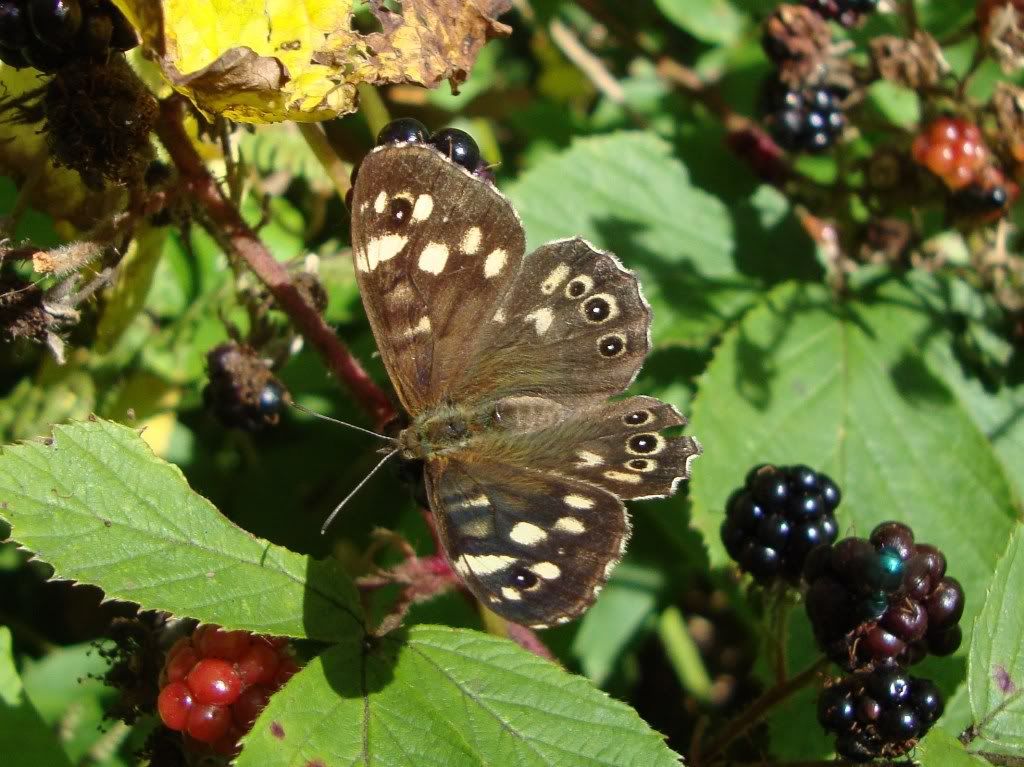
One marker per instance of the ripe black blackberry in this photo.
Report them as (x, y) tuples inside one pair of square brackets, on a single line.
[(884, 599), (404, 129), (808, 120), (458, 146), (778, 516), (880, 713), (50, 34), (846, 12)]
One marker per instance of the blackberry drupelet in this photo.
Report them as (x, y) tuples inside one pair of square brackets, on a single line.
[(778, 516), (458, 146), (51, 34)]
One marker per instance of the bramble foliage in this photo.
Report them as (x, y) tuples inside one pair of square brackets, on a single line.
[(821, 201)]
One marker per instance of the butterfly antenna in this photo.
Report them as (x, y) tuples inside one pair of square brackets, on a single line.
[(356, 489), (315, 414)]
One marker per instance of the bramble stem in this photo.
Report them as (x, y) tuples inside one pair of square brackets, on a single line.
[(759, 709), (248, 247)]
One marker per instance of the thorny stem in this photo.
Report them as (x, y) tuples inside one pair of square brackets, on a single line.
[(758, 710), (247, 246)]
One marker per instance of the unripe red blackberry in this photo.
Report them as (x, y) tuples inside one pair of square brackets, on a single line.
[(953, 149), (215, 683)]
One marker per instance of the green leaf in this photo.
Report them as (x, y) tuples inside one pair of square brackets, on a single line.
[(843, 387), (996, 666), (626, 192), (25, 741), (940, 749), (446, 697), (711, 21), (102, 509), (134, 280)]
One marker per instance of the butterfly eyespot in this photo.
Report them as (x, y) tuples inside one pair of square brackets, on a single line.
[(399, 211), (611, 346), (642, 465), (639, 418), (521, 578), (578, 287), (598, 309), (644, 444)]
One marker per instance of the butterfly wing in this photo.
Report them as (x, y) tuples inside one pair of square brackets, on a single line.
[(533, 546), (622, 446), (427, 236), (574, 328)]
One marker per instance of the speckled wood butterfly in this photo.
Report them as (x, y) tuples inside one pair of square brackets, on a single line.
[(505, 363)]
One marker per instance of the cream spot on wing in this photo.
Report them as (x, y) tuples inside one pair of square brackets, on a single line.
[(547, 570), (609, 567), (479, 527), (527, 534), (495, 262), (588, 459), (462, 568), (361, 263), (423, 207), (471, 240), (400, 294), (563, 619), (485, 564), (557, 277), (597, 590), (381, 249), (579, 502), (434, 257), (511, 594), (570, 525), (380, 202), (479, 502), (499, 316), (423, 326), (364, 207), (541, 319), (621, 476)]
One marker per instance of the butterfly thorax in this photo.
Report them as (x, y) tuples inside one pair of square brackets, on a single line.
[(441, 430)]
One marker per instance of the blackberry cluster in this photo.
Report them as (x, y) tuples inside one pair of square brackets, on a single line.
[(880, 713), (803, 120), (886, 599), (50, 34), (242, 392), (774, 521), (215, 683), (846, 12)]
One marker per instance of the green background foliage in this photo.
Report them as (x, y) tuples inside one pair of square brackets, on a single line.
[(902, 384)]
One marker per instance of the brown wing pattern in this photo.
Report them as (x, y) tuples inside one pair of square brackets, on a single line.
[(533, 546), (427, 237)]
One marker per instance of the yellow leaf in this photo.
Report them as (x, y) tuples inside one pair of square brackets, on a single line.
[(270, 60)]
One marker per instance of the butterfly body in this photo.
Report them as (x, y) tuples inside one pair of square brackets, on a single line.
[(505, 363)]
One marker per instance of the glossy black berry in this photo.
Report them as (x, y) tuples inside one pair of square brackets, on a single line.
[(55, 22), (271, 398), (945, 604), (836, 710), (856, 747), (926, 700), (759, 560), (889, 686), (14, 27), (403, 130), (899, 724), (894, 535), (846, 12), (907, 619), (943, 643), (780, 508), (803, 120), (458, 146), (43, 57), (936, 560)]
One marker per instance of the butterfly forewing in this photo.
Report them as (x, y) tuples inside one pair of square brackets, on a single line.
[(435, 251), (533, 546)]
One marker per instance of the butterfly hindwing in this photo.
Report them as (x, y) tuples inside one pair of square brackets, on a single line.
[(573, 328), (426, 237), (534, 547)]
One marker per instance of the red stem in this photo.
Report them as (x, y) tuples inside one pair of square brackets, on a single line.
[(246, 244)]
